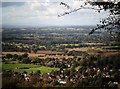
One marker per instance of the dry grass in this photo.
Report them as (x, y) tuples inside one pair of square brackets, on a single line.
[(87, 49), (95, 50), (109, 53), (40, 55), (78, 49), (18, 53)]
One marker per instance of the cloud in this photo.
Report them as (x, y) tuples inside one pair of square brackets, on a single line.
[(46, 8), (9, 4), (45, 13)]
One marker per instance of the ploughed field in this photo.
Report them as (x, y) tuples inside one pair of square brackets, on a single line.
[(40, 54)]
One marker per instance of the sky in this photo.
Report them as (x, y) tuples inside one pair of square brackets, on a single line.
[(45, 13)]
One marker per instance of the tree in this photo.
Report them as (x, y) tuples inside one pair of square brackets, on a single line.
[(25, 60), (25, 55), (9, 83), (9, 55), (38, 72), (15, 56), (111, 23)]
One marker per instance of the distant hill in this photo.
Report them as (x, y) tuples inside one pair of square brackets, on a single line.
[(71, 26)]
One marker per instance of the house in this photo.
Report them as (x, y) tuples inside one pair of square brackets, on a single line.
[(27, 77), (62, 81)]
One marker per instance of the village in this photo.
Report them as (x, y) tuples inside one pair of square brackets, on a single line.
[(71, 69)]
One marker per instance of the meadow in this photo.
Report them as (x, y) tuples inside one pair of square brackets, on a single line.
[(28, 68)]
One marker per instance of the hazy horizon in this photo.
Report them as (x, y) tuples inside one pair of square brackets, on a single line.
[(40, 14)]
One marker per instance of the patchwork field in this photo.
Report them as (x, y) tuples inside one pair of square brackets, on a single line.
[(40, 55)]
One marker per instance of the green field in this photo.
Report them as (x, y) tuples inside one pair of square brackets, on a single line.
[(28, 68)]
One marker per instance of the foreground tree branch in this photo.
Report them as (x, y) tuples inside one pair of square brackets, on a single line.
[(110, 24)]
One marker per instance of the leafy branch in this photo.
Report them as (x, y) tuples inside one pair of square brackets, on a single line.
[(111, 23)]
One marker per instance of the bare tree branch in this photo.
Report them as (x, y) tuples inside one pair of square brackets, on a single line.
[(66, 5)]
